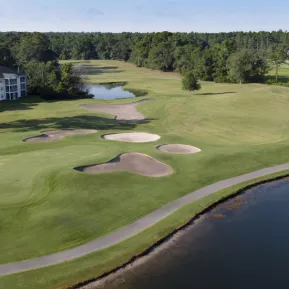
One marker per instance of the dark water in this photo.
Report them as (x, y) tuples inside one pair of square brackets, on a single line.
[(242, 244), (110, 91)]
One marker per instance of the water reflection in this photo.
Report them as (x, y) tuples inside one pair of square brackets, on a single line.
[(109, 91), (245, 248)]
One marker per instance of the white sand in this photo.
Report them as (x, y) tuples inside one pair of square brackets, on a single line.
[(178, 149), (137, 137), (137, 163), (126, 111)]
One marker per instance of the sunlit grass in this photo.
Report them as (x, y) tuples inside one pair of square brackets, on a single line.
[(46, 206)]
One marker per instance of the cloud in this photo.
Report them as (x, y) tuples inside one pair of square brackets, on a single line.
[(94, 12)]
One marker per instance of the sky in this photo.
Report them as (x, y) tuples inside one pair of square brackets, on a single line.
[(143, 15)]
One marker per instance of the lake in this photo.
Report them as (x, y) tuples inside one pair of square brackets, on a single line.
[(109, 91), (242, 243)]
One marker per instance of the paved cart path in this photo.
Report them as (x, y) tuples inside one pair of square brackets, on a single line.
[(134, 228)]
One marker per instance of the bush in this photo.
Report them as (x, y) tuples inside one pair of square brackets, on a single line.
[(274, 82), (190, 82), (221, 79), (50, 94)]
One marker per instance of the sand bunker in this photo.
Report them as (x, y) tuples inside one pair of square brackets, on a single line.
[(178, 149), (138, 137), (126, 111), (54, 135), (132, 162)]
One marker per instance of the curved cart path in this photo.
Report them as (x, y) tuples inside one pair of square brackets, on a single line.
[(134, 228)]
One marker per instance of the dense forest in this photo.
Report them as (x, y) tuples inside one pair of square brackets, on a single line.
[(32, 54), (220, 57), (211, 56)]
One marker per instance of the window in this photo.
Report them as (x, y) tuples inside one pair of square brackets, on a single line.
[(22, 79), (7, 88), (13, 95), (23, 86), (13, 81), (23, 92), (13, 88), (6, 81), (7, 96)]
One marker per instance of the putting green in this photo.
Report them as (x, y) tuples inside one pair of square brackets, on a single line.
[(46, 206)]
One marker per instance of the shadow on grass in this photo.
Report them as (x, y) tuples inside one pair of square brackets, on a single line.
[(97, 71), (79, 62), (75, 122), (113, 84), (216, 93), (106, 67), (92, 66), (31, 101), (24, 103)]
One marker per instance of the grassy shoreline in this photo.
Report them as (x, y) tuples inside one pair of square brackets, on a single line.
[(101, 264), (244, 187)]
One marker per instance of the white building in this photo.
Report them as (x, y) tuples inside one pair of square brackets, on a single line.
[(13, 85)]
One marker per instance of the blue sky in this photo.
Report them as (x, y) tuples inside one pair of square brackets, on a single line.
[(144, 15)]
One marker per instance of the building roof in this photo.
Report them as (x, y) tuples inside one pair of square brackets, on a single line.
[(6, 72)]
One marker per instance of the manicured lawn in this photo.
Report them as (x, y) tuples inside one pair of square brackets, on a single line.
[(46, 206), (283, 73)]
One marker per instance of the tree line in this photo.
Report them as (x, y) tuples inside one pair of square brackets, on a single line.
[(32, 54), (220, 57)]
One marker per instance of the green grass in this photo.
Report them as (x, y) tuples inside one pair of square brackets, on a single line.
[(89, 267), (283, 73), (46, 206)]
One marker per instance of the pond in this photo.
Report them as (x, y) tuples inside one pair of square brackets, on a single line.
[(109, 91), (241, 244)]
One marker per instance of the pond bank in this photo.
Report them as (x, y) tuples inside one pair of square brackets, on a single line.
[(165, 242)]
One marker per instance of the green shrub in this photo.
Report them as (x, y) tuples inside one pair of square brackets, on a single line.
[(274, 82), (190, 82)]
